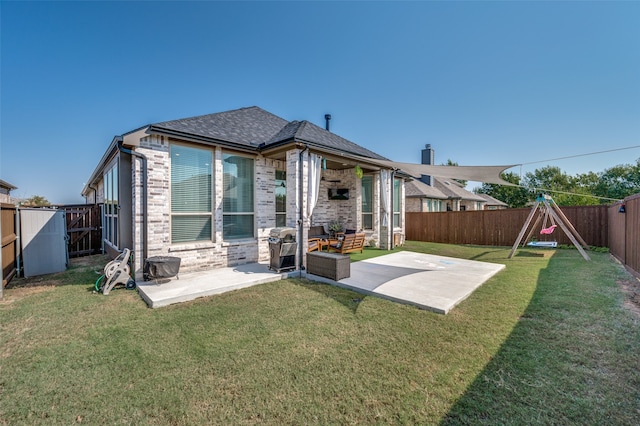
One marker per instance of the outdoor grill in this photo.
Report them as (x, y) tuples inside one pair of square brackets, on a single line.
[(282, 248)]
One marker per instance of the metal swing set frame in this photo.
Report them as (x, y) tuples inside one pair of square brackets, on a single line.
[(548, 209)]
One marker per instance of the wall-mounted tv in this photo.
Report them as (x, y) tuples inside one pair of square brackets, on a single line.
[(338, 193)]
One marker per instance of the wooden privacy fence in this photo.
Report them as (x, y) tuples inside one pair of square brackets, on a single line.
[(84, 228), (624, 232), (9, 243), (501, 227)]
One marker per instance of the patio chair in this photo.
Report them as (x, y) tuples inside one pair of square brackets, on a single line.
[(315, 244), (348, 243), (318, 232)]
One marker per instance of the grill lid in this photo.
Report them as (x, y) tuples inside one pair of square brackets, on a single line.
[(286, 234)]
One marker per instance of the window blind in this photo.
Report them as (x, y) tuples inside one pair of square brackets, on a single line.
[(191, 193), (237, 200)]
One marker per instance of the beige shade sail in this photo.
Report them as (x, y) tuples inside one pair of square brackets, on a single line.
[(486, 174)]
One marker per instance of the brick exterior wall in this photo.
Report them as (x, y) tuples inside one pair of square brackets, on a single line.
[(204, 255), (200, 255), (414, 204), (4, 195), (266, 202)]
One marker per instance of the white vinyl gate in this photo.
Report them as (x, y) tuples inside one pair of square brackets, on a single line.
[(44, 241)]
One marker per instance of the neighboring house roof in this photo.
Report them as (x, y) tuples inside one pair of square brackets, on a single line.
[(453, 189), (7, 185), (419, 189), (493, 201), (442, 189)]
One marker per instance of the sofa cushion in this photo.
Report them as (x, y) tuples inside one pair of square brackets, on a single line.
[(318, 232)]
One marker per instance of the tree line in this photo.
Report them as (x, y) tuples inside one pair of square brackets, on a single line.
[(590, 188)]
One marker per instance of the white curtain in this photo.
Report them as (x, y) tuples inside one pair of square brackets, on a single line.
[(384, 195), (315, 170)]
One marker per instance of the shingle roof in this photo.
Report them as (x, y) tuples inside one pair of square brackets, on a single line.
[(416, 188), (441, 189), (305, 131), (493, 201), (7, 185), (249, 126), (454, 190), (253, 126)]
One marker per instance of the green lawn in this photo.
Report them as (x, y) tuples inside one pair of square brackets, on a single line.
[(546, 341)]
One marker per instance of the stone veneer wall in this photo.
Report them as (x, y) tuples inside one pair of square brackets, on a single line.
[(349, 212), (200, 255), (137, 212), (218, 253), (265, 202), (414, 204), (4, 195), (346, 211)]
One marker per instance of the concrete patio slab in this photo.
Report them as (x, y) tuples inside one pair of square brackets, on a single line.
[(193, 285), (436, 283), (432, 282)]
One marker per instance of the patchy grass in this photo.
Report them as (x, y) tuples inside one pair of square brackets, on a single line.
[(548, 340)]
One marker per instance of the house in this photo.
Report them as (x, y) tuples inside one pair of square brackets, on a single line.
[(434, 194), (5, 192), (422, 197), (493, 203), (209, 189)]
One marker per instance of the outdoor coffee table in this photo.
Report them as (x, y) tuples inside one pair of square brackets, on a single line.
[(329, 265)]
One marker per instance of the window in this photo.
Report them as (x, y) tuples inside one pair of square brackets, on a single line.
[(281, 198), (367, 202), (110, 208), (237, 201), (191, 204), (396, 203)]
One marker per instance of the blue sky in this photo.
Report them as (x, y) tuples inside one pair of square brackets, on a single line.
[(484, 83)]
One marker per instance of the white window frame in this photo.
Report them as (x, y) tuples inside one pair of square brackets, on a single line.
[(111, 206), (208, 214), (397, 196), (251, 213), (368, 214), (281, 215)]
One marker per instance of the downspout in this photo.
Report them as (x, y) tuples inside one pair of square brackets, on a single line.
[(95, 203), (301, 204), (391, 187), (144, 196)]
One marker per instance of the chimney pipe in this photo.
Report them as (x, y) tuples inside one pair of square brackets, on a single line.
[(327, 117), (427, 158)]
